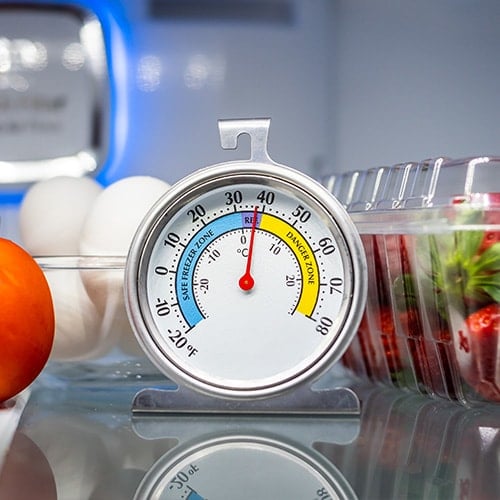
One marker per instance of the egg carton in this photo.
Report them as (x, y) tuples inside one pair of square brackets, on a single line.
[(431, 233)]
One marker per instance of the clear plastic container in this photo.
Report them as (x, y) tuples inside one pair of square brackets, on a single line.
[(410, 446), (94, 344), (431, 232)]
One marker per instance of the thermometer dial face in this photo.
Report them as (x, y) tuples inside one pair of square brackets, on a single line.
[(245, 280)]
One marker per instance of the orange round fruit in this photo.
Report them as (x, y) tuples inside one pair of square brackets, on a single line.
[(27, 320)]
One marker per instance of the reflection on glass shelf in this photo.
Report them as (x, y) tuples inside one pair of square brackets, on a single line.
[(404, 446), (412, 447)]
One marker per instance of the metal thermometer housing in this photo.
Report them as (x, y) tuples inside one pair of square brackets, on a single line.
[(246, 279)]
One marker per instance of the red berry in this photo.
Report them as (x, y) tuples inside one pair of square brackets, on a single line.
[(485, 322), (479, 350), (489, 239), (385, 328), (491, 216)]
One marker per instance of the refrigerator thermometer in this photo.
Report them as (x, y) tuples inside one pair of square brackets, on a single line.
[(246, 278)]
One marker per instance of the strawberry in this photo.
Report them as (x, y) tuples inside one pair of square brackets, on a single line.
[(429, 357), (377, 346), (491, 216), (375, 353), (490, 238), (480, 260), (383, 326), (380, 322), (464, 277), (478, 343), (432, 359), (465, 265), (361, 355), (423, 292)]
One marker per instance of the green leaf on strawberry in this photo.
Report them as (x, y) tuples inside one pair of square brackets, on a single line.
[(468, 276), (482, 276)]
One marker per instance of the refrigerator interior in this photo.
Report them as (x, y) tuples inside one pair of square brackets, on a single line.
[(348, 84)]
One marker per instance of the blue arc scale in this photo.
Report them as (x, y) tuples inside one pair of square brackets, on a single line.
[(189, 258)]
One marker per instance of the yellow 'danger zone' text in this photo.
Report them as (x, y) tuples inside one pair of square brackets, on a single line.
[(305, 258)]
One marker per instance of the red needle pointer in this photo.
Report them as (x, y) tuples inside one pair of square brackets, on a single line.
[(246, 281)]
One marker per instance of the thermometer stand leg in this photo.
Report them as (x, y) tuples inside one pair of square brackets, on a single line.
[(305, 401)]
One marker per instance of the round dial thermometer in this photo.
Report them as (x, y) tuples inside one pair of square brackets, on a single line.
[(246, 278)]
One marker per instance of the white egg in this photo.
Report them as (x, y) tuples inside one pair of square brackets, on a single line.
[(116, 214), (108, 230), (52, 213), (78, 333), (105, 289)]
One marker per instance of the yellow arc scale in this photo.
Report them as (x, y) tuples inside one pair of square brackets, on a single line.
[(247, 278)]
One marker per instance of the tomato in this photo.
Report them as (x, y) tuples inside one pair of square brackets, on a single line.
[(27, 320)]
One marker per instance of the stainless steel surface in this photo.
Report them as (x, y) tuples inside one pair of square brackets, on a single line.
[(302, 401)]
